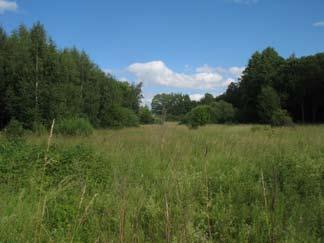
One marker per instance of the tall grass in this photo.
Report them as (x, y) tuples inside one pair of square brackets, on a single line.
[(165, 184), (74, 127)]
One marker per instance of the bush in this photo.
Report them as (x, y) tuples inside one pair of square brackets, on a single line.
[(145, 116), (128, 118), (119, 117), (281, 117), (74, 127), (222, 112), (199, 116), (14, 130)]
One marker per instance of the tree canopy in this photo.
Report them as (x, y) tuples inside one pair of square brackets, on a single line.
[(272, 89), (39, 82), (297, 82), (171, 106)]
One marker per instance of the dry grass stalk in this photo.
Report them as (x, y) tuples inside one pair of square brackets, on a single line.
[(84, 216), (49, 142), (86, 211)]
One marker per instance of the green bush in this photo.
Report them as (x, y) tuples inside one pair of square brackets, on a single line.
[(14, 130), (281, 117), (74, 127), (119, 117), (145, 116), (222, 112), (199, 116), (128, 118)]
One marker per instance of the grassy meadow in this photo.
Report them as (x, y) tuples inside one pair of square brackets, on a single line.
[(219, 183)]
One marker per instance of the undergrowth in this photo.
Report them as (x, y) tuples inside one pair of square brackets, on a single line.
[(165, 184)]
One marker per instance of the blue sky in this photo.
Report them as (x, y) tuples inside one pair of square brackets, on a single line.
[(191, 46)]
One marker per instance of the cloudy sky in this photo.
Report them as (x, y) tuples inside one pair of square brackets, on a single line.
[(188, 46)]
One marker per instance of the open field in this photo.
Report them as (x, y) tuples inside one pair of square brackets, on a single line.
[(155, 183)]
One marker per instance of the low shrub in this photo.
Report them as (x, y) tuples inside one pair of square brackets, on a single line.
[(199, 116), (128, 118), (281, 117), (222, 112), (118, 117), (74, 127), (145, 116)]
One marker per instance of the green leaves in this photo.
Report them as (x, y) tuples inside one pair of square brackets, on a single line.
[(172, 106), (199, 116), (268, 102), (297, 86), (145, 115), (38, 83), (74, 126)]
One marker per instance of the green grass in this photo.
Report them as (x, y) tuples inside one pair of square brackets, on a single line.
[(165, 184)]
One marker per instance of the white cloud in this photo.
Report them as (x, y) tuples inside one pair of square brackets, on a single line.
[(319, 24), (157, 72), (205, 77), (204, 69), (236, 71), (233, 72), (208, 77), (196, 97), (7, 6)]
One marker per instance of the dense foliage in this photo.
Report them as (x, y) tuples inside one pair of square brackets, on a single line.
[(74, 126), (219, 112), (271, 82), (222, 112), (199, 116), (145, 115), (215, 184), (271, 87), (39, 82), (172, 106)]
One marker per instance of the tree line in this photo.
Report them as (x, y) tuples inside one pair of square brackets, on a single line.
[(179, 107), (271, 90), (39, 82), (295, 85)]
